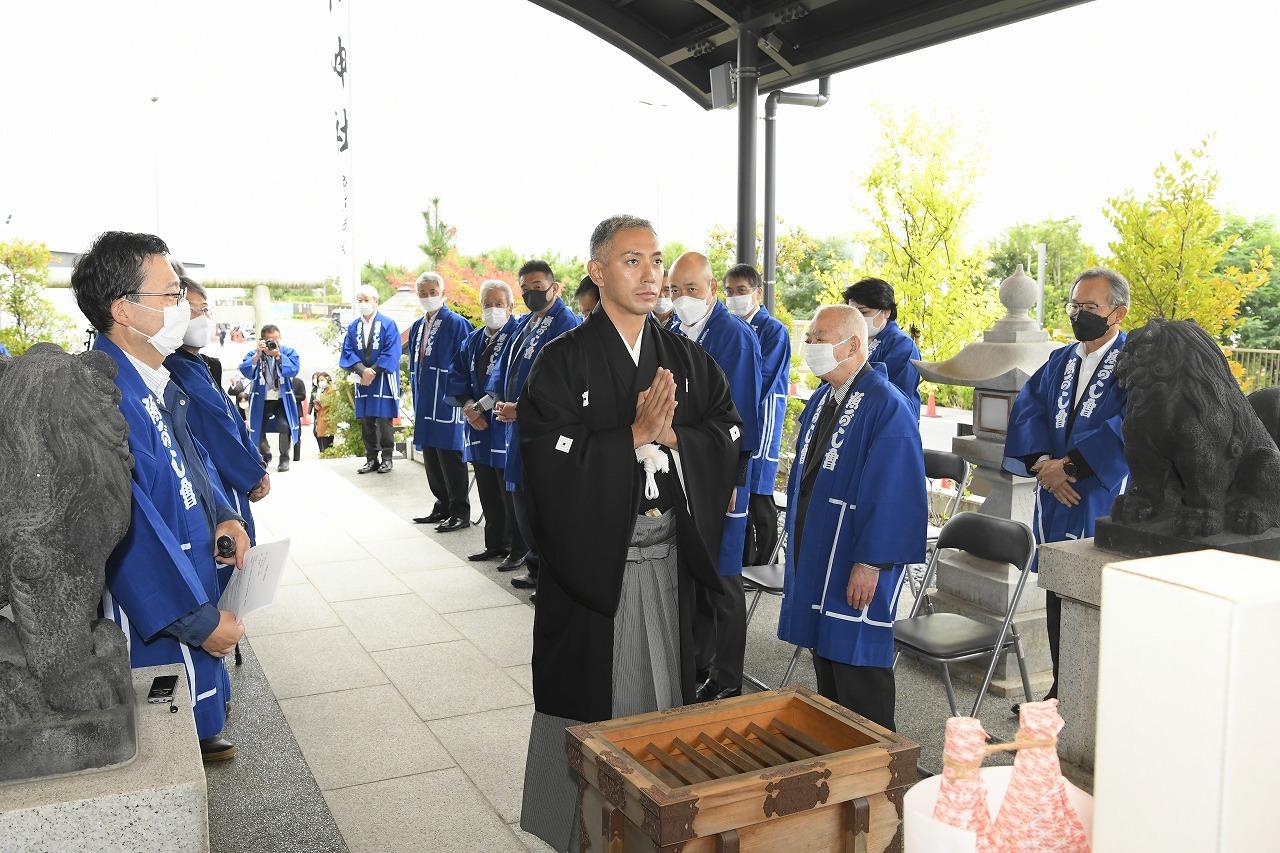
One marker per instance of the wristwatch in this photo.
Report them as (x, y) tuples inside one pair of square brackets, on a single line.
[(1069, 468)]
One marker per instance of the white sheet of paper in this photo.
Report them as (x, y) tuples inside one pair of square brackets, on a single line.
[(255, 586)]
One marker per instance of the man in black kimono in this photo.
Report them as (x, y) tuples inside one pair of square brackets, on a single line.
[(630, 431)]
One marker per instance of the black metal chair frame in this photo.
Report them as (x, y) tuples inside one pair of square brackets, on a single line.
[(991, 538)]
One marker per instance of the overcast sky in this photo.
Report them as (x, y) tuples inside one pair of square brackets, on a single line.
[(532, 130)]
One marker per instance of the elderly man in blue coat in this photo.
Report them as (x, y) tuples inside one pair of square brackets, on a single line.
[(162, 583), (270, 369), (1065, 426), (486, 436), (435, 339), (856, 514), (720, 629), (371, 352)]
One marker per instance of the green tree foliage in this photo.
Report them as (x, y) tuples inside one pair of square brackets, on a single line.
[(671, 250), (27, 316), (388, 278), (1168, 251), (503, 257), (440, 235), (1260, 314), (920, 190), (1065, 256), (799, 258)]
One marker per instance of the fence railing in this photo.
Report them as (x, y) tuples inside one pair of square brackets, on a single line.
[(1261, 367)]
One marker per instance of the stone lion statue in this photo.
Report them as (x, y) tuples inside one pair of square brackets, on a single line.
[(64, 504), (1194, 444)]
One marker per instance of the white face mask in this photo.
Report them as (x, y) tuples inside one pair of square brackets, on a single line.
[(663, 306), (199, 331), (431, 304), (821, 358), (740, 305), (690, 309), (322, 384), (873, 330), (494, 318), (366, 309), (171, 334)]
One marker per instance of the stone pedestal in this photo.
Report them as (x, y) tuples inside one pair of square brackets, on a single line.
[(156, 802), (1073, 570)]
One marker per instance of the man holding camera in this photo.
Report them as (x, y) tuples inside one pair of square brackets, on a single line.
[(270, 370)]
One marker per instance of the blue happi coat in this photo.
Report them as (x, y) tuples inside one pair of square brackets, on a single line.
[(894, 349), (436, 422), (1046, 420), (775, 360), (381, 397), (163, 568), (868, 506), (507, 380), (468, 378), (257, 376), (733, 345), (219, 430)]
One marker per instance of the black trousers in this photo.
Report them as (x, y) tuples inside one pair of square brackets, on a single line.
[(1053, 623), (378, 437), (720, 631), (762, 530), (519, 545), (447, 479), (274, 408), (526, 530), (490, 485), (866, 690)]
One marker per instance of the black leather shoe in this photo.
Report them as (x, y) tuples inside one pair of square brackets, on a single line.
[(452, 525), (216, 748), (488, 554), (524, 582), (515, 561), (368, 467), (706, 691), (533, 598), (284, 464), (435, 517), (385, 467)]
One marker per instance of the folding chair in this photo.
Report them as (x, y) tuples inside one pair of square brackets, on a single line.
[(947, 638), (939, 465), (768, 579)]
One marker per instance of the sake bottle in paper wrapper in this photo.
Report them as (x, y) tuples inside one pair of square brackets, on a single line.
[(962, 796), (1035, 816)]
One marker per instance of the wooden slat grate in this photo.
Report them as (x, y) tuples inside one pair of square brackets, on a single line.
[(732, 753)]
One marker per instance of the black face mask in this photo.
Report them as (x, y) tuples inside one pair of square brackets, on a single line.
[(1088, 326), (536, 300)]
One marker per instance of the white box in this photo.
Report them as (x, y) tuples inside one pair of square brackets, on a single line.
[(1188, 691)]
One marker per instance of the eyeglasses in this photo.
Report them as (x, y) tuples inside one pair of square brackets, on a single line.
[(176, 297), (206, 311), (1091, 307)]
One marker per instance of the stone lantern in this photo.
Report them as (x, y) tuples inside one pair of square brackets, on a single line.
[(996, 368)]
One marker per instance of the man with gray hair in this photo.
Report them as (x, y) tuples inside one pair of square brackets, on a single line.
[(856, 515), (435, 339), (1065, 426)]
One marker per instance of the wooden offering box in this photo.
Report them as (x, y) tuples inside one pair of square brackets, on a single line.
[(784, 770)]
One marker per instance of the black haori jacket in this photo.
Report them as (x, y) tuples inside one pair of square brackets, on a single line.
[(583, 486)]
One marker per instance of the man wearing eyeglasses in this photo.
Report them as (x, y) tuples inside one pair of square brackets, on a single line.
[(1065, 427), (270, 370), (162, 582)]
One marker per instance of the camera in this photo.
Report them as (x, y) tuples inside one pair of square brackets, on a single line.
[(272, 345)]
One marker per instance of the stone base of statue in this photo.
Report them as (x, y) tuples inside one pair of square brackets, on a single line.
[(156, 801), (1157, 539), (1073, 570)]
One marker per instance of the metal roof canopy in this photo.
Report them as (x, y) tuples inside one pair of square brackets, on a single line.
[(682, 40)]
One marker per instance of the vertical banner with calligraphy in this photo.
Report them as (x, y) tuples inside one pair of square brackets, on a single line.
[(339, 72)]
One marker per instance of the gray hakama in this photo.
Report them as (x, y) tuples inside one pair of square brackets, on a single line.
[(646, 677)]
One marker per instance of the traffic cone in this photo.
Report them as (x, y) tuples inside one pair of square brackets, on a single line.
[(931, 410)]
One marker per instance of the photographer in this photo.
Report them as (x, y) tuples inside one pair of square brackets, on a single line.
[(270, 370)]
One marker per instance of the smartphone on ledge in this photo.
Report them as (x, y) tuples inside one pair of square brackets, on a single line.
[(162, 687)]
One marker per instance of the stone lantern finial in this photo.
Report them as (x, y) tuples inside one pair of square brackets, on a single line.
[(1018, 294)]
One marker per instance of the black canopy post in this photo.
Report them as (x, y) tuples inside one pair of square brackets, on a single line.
[(748, 91)]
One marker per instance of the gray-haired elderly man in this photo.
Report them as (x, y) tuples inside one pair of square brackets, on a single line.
[(435, 339), (486, 436)]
